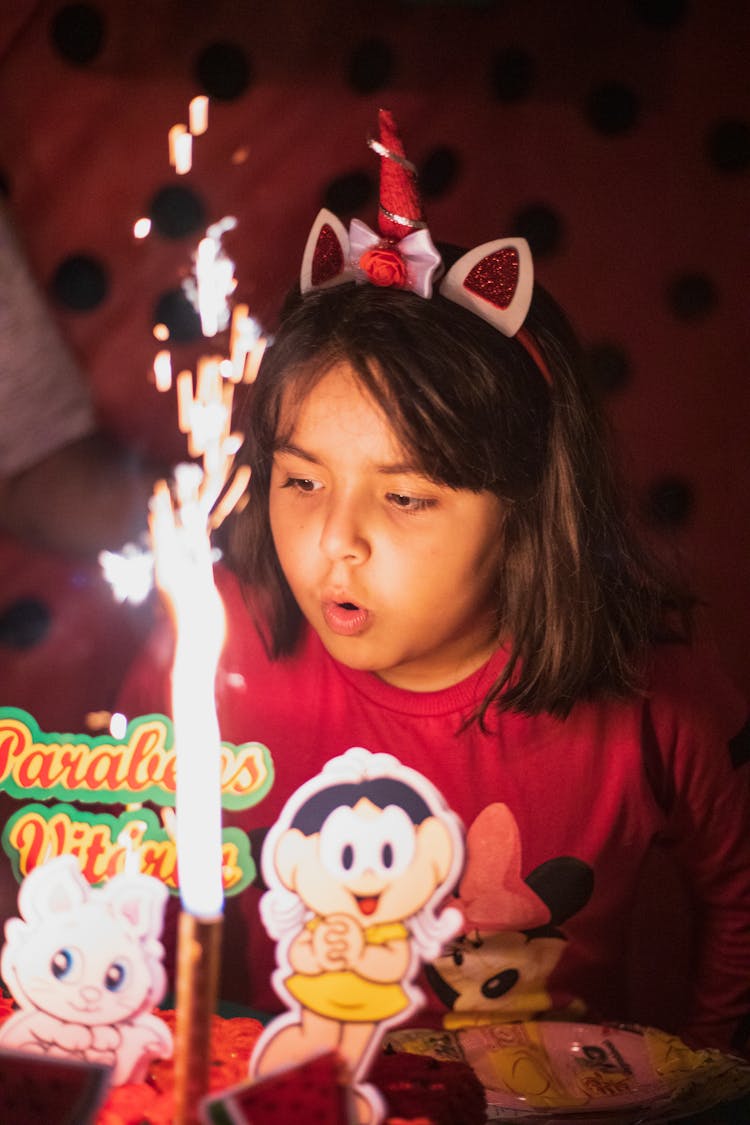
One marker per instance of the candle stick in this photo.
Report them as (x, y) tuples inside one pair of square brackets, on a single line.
[(198, 957)]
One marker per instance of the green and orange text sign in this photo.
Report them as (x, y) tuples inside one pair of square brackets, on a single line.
[(48, 772)]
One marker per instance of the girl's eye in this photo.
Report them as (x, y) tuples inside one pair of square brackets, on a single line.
[(407, 503), (301, 484)]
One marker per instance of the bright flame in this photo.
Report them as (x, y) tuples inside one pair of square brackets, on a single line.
[(163, 370), (198, 114), (184, 574), (181, 518), (180, 149), (214, 280), (129, 572), (141, 228), (245, 341)]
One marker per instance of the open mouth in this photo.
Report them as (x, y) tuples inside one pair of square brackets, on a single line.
[(367, 903), (345, 618)]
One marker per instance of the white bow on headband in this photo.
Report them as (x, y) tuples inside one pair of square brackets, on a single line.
[(494, 280)]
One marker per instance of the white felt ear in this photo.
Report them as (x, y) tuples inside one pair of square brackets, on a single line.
[(494, 281), (326, 258), (53, 888)]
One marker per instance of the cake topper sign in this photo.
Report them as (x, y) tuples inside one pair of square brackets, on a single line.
[(46, 771)]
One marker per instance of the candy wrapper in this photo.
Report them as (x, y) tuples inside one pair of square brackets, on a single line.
[(538, 1071)]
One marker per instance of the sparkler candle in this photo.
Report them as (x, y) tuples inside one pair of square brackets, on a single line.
[(184, 574), (181, 520)]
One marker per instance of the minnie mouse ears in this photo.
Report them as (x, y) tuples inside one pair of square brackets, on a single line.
[(494, 281)]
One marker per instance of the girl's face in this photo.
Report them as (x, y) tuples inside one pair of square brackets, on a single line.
[(393, 571)]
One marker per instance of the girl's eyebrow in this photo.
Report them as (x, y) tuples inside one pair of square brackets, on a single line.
[(296, 451), (397, 468)]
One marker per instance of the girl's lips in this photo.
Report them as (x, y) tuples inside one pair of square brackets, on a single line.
[(345, 618)]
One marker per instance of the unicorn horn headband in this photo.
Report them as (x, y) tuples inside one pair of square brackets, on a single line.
[(494, 281)]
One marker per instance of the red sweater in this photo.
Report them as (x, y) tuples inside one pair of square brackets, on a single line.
[(553, 867)]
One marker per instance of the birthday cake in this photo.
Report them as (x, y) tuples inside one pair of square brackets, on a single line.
[(416, 1089)]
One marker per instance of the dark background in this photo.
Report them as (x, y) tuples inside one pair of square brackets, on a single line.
[(614, 135)]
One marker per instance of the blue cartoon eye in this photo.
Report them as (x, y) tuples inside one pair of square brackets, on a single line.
[(61, 963), (114, 978)]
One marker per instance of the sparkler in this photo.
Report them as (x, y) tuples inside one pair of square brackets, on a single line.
[(182, 516), (181, 520)]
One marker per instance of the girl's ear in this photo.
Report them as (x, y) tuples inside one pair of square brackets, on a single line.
[(494, 281), (53, 888), (288, 855)]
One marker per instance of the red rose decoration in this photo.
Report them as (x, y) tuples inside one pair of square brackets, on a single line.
[(384, 266)]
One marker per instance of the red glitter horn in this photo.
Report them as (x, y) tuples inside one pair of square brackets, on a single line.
[(400, 210)]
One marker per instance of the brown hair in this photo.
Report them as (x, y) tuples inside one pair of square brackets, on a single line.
[(580, 599)]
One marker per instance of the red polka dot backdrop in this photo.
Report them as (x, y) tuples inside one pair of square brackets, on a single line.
[(615, 137)]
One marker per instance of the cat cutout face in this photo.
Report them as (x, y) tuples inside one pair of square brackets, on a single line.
[(85, 967)]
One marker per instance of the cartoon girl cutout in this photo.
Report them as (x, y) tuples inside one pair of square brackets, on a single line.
[(357, 864)]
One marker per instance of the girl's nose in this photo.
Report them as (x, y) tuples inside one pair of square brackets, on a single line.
[(343, 536)]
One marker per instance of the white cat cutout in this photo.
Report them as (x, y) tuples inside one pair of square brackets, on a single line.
[(85, 968)]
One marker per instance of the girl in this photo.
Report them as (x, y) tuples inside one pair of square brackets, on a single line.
[(435, 564)]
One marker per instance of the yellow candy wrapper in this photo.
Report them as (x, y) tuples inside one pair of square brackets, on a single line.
[(540, 1071)]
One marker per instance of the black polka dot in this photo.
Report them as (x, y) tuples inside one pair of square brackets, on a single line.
[(4, 184), (77, 31), (512, 75), (661, 13), (612, 108), (691, 296), (175, 310), (669, 501), (541, 226), (729, 146), (224, 71), (176, 211), (739, 747), (438, 172), (24, 623), (371, 66), (607, 367), (80, 283), (348, 193)]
